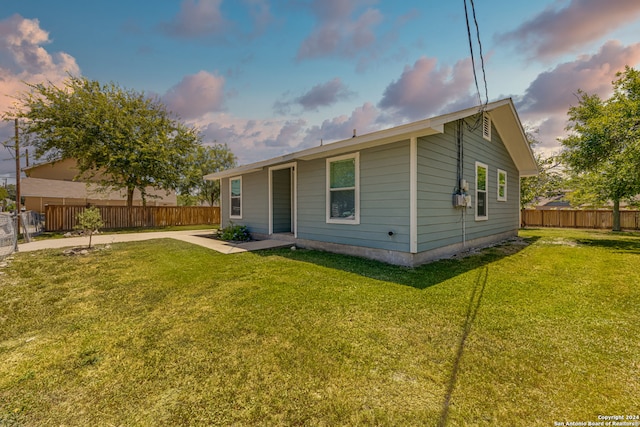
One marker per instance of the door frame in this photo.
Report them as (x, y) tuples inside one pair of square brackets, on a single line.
[(294, 196)]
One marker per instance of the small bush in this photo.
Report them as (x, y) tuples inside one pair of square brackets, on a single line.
[(234, 233), (89, 221)]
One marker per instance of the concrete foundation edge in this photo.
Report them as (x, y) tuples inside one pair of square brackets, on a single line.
[(395, 257)]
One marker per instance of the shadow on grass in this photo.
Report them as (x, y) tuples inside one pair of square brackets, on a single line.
[(421, 277), (475, 300), (622, 246)]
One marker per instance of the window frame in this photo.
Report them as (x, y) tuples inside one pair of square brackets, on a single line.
[(502, 198), (231, 197), (485, 191), (356, 218)]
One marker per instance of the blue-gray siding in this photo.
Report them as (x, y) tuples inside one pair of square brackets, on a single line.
[(439, 223), (384, 201), (255, 202)]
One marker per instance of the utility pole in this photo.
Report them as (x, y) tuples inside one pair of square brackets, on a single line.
[(17, 168), (17, 184)]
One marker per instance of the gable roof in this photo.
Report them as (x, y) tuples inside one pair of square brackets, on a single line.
[(503, 115)]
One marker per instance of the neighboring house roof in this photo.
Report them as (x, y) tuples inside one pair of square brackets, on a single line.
[(503, 115), (38, 187), (63, 169)]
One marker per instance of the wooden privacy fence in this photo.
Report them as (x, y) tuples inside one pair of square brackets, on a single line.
[(63, 218), (629, 220)]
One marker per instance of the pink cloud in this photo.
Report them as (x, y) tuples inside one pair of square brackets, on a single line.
[(338, 32), (289, 135), (255, 140), (546, 101), (424, 89), (554, 91), (364, 119), (252, 140), (25, 60), (557, 31), (196, 95)]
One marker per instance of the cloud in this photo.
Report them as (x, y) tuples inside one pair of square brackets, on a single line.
[(557, 31), (338, 32), (424, 90), (324, 95), (289, 135), (24, 59), (321, 95), (197, 18), (21, 43), (256, 140), (364, 119), (196, 95), (554, 91), (252, 140), (546, 101)]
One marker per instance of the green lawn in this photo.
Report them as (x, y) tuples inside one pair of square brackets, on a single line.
[(166, 333)]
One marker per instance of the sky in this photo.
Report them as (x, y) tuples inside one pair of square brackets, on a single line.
[(270, 77)]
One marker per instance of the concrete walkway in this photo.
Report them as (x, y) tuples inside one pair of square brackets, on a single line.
[(196, 237)]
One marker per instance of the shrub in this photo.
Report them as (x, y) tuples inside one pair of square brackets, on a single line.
[(235, 233)]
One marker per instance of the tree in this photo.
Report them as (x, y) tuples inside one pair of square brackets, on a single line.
[(548, 183), (89, 221), (120, 138), (205, 160), (604, 146)]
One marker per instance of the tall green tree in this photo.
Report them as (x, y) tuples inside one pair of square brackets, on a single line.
[(203, 161), (120, 138), (603, 147)]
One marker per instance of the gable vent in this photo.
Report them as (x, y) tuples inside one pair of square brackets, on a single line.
[(486, 126)]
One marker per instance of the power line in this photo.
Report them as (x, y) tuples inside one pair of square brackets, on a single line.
[(473, 61)]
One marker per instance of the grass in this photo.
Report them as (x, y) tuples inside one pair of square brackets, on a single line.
[(166, 333)]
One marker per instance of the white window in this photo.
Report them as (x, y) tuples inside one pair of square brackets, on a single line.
[(235, 195), (502, 185), (343, 189), (486, 126), (482, 212)]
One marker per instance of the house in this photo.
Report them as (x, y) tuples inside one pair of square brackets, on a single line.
[(52, 183), (405, 195)]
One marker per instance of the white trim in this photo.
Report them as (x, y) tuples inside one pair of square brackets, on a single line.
[(486, 192), (221, 203), (501, 198), (356, 219), (413, 195), (294, 196), (231, 216)]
